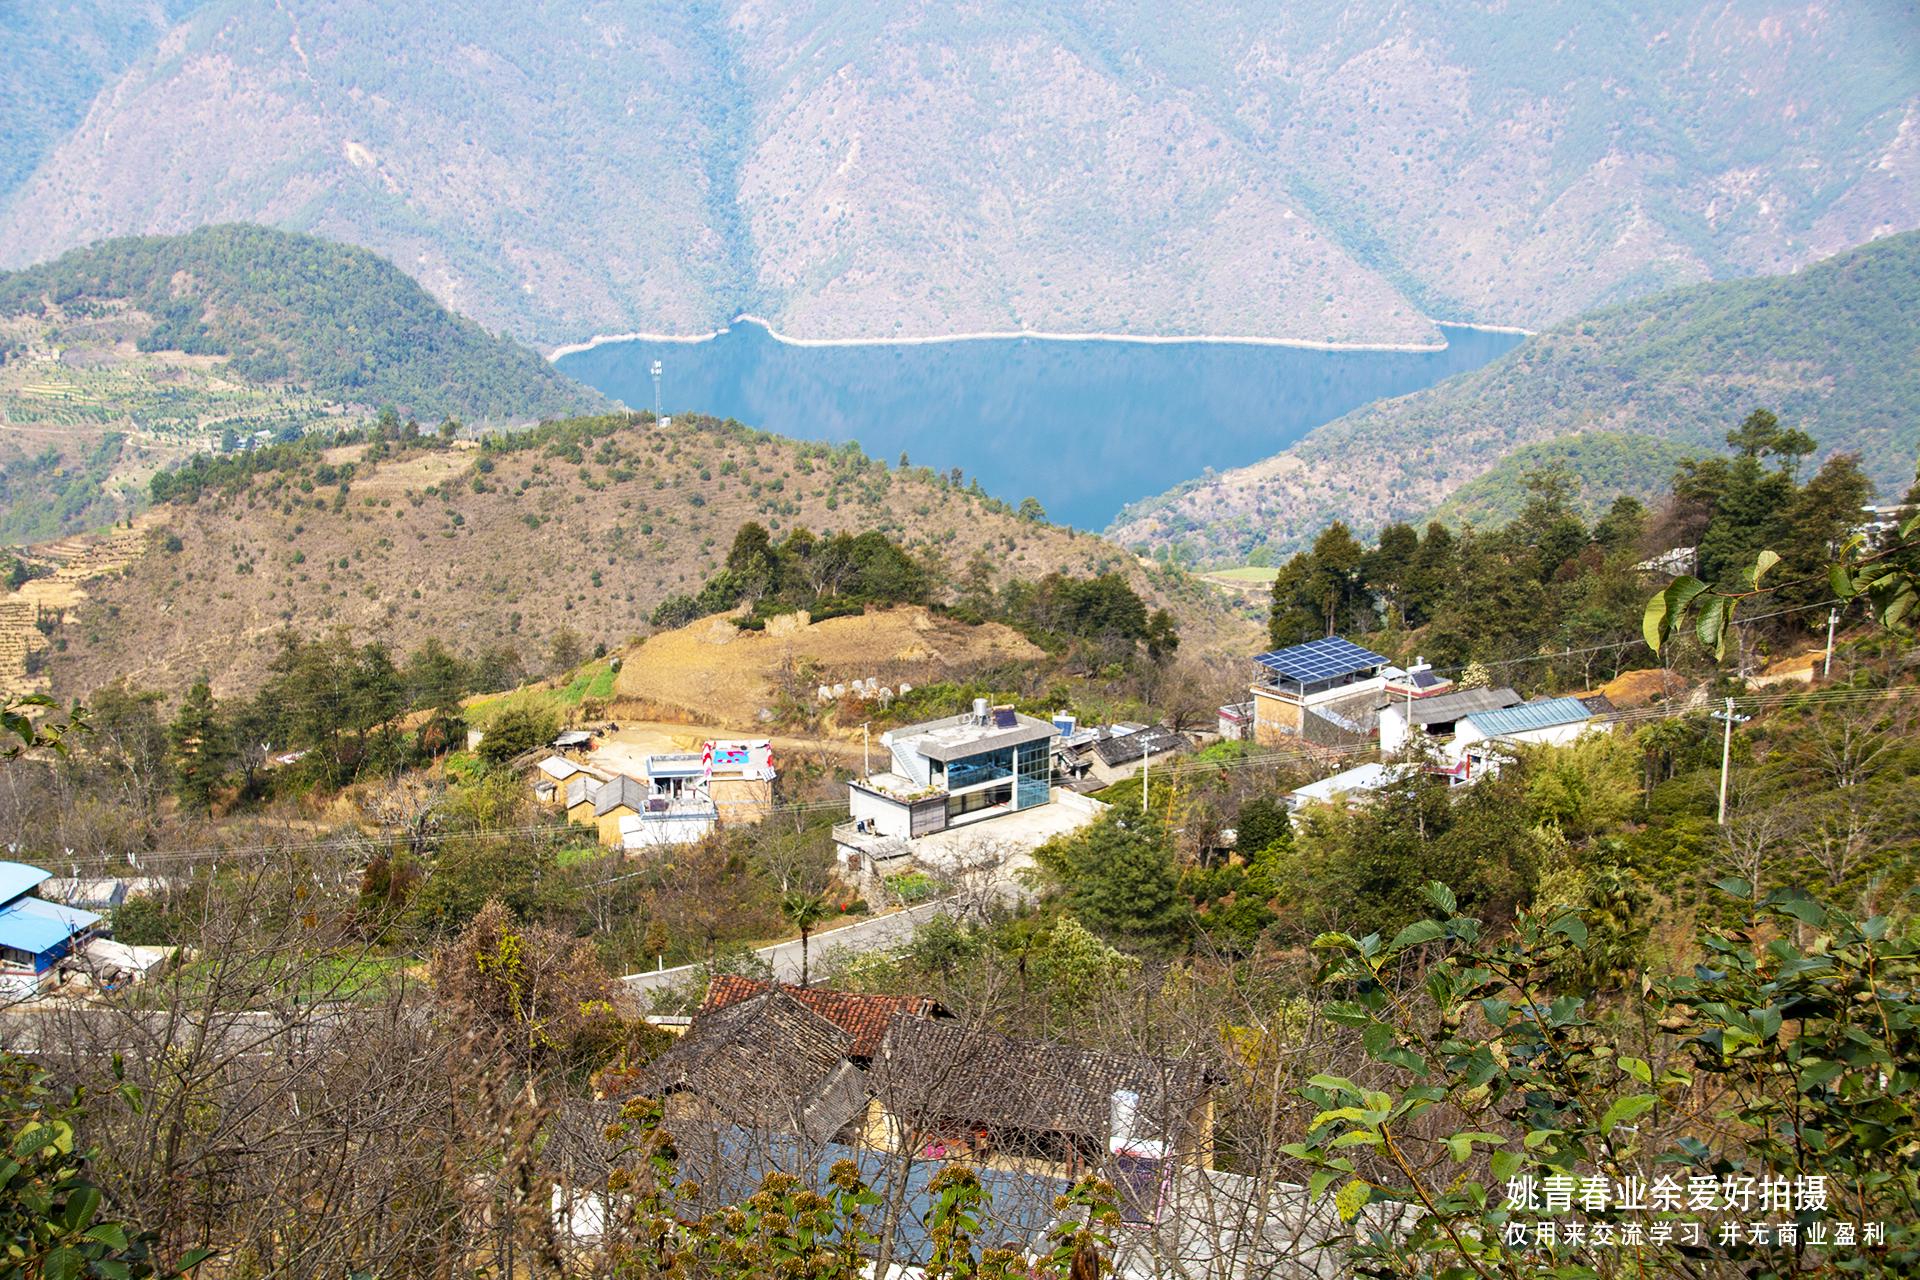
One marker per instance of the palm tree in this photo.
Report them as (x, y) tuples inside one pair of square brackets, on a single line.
[(803, 911)]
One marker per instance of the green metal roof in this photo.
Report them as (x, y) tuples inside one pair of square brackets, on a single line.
[(1549, 713)]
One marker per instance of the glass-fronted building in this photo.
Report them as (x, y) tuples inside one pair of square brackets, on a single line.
[(962, 769)]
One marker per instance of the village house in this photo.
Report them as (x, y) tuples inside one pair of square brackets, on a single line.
[(1089, 759), (1408, 720), (680, 799), (35, 935), (1346, 787), (863, 1016), (555, 772), (1324, 691), (802, 1081), (895, 1074), (943, 775), (1479, 736), (601, 805), (739, 777)]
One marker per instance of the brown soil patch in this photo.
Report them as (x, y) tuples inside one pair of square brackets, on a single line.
[(1638, 688), (712, 670)]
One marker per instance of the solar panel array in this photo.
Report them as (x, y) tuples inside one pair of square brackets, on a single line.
[(1318, 660)]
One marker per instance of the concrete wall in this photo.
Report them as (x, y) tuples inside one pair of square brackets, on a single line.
[(887, 817), (1468, 735)]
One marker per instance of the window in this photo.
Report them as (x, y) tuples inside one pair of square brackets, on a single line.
[(1033, 774), (974, 770), (973, 802)]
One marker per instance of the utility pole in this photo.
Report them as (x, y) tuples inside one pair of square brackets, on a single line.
[(1826, 668), (1726, 752), (866, 760), (1146, 768)]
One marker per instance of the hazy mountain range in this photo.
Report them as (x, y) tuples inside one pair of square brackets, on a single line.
[(1325, 172)]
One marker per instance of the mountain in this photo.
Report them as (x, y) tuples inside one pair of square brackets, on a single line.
[(1324, 172), (332, 320), (54, 59), (586, 524), (122, 357), (1833, 349), (1601, 465)]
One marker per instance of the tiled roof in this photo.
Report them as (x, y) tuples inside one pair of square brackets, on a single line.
[(1125, 748), (768, 1061), (942, 1070), (558, 769), (1548, 713), (864, 1017), (1451, 706), (620, 791)]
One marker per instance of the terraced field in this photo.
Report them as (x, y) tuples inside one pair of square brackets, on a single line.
[(164, 394)]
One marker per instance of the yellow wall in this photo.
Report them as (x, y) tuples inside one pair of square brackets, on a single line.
[(1275, 719), (741, 799)]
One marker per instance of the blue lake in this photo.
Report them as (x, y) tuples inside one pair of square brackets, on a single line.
[(1085, 427)]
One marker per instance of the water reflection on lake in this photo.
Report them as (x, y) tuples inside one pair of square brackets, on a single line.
[(1085, 427)]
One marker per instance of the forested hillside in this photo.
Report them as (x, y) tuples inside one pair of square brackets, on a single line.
[(125, 357), (1834, 350), (330, 319), (851, 168)]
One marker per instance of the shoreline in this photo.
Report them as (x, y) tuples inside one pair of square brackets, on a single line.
[(1215, 339)]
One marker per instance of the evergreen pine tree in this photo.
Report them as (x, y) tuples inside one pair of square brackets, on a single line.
[(197, 741)]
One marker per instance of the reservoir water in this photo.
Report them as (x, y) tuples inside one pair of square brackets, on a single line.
[(1084, 426)]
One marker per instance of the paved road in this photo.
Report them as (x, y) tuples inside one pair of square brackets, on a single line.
[(864, 935)]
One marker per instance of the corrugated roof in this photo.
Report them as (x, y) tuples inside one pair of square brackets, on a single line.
[(1452, 706), (1315, 660), (34, 926), (1548, 713), (17, 878)]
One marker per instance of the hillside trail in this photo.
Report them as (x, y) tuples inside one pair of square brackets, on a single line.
[(77, 559)]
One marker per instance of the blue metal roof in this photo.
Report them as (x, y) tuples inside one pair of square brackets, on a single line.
[(34, 926), (17, 878), (1548, 713), (1316, 660)]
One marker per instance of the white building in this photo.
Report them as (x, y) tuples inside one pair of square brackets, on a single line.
[(1553, 722), (989, 763), (1436, 718), (1348, 785)]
